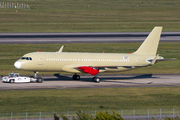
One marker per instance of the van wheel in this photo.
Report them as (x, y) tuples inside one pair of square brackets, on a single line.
[(11, 81)]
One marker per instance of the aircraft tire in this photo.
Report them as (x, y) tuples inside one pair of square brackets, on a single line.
[(39, 79), (76, 77), (96, 79), (93, 79)]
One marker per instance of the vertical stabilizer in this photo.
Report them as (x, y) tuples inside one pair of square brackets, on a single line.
[(150, 45)]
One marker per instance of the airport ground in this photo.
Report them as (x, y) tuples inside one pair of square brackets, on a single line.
[(142, 91), (66, 38), (113, 92), (90, 16), (107, 81), (62, 93)]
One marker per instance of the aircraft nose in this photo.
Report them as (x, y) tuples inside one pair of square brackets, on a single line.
[(17, 64)]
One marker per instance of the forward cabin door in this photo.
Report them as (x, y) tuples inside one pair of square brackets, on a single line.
[(40, 61), (42, 64)]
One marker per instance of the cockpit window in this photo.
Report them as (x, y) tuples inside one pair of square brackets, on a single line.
[(26, 58), (23, 58)]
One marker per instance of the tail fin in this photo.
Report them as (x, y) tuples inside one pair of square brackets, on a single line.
[(150, 45)]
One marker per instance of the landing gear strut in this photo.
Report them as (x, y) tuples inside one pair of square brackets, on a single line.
[(76, 77), (35, 74), (38, 79)]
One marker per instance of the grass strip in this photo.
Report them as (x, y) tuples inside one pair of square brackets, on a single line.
[(18, 101), (90, 16)]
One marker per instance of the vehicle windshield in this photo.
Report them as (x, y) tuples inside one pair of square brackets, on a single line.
[(11, 75)]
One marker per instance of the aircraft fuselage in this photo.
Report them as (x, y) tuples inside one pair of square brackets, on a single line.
[(67, 61)]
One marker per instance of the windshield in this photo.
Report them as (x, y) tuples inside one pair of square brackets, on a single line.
[(26, 58), (11, 75)]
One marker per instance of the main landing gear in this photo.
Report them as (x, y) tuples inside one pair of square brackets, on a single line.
[(94, 79), (76, 77)]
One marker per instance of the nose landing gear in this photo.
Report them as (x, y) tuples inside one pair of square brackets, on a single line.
[(37, 79)]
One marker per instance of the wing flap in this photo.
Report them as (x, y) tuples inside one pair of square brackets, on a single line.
[(154, 60)]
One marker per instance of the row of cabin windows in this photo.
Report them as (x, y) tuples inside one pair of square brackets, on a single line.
[(26, 58), (89, 60)]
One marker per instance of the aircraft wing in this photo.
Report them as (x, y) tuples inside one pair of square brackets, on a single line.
[(93, 70)]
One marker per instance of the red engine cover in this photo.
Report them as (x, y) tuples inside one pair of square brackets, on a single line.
[(89, 70)]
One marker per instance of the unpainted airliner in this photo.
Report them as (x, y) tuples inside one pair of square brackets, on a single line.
[(93, 63)]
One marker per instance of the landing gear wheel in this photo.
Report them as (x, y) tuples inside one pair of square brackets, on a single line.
[(76, 77), (96, 79), (93, 79), (73, 77), (39, 79)]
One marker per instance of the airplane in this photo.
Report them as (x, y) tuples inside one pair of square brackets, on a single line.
[(93, 63)]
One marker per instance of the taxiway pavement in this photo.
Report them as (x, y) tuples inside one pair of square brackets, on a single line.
[(107, 37), (107, 81)]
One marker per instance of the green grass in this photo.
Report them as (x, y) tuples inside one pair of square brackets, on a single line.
[(9, 53), (91, 16), (89, 99)]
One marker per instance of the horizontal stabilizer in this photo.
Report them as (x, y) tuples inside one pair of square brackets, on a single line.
[(152, 63), (160, 60)]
